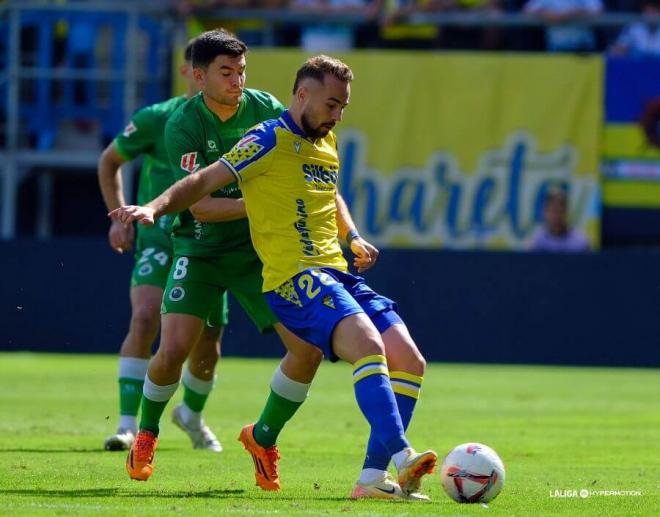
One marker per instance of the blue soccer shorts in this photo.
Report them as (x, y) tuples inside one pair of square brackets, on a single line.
[(313, 302)]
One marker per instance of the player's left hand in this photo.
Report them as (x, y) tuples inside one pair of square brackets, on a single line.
[(129, 213), (365, 253)]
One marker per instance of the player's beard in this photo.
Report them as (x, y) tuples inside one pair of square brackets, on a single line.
[(313, 132)]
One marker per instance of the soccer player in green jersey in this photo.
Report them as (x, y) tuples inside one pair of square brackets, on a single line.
[(288, 170), (213, 252), (144, 135)]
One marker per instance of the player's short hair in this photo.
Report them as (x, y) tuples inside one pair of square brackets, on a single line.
[(217, 42), (318, 67), (187, 53)]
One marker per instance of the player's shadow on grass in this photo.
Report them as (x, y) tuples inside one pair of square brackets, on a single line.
[(53, 451), (119, 492), (177, 494)]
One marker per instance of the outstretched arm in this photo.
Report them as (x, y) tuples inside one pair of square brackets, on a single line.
[(365, 253), (179, 196), (218, 209)]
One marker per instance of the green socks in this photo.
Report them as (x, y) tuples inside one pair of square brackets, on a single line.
[(132, 371)]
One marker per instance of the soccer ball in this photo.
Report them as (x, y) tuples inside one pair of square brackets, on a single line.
[(472, 473)]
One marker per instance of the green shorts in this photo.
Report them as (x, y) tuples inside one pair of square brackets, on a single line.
[(152, 265), (195, 283)]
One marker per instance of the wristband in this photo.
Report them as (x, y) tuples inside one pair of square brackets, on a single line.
[(351, 235)]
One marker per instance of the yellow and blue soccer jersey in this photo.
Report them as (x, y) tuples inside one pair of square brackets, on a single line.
[(289, 186)]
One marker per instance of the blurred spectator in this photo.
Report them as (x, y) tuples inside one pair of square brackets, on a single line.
[(203, 15), (476, 38), (556, 234), (643, 37), (332, 37), (562, 37), (396, 33)]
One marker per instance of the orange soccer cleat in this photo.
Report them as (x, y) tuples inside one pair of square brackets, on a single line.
[(139, 463), (265, 460), (411, 470)]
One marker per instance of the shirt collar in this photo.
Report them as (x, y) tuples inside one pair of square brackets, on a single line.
[(291, 125)]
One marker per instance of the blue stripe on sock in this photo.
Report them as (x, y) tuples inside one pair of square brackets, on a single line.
[(412, 384), (361, 368)]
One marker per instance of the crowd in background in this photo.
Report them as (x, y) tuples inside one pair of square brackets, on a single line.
[(405, 24)]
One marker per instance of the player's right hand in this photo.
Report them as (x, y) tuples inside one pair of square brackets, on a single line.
[(121, 236), (129, 213)]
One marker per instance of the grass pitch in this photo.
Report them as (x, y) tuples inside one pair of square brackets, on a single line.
[(558, 430)]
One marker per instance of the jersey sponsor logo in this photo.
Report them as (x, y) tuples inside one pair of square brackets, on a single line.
[(189, 162), (244, 150), (322, 177), (301, 227), (129, 129), (198, 231), (212, 145)]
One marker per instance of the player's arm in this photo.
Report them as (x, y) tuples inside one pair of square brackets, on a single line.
[(218, 209), (365, 253), (121, 236), (179, 196)]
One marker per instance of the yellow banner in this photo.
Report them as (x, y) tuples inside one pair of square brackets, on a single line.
[(458, 150)]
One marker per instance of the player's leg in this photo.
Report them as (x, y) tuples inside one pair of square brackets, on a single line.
[(198, 381), (406, 365), (317, 307), (357, 340), (147, 283), (186, 305), (292, 378), (289, 387)]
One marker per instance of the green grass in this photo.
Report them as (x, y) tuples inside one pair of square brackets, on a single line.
[(555, 429)]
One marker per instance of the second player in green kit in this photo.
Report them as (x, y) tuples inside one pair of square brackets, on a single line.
[(144, 136), (213, 251)]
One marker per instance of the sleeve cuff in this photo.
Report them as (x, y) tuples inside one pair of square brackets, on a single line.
[(231, 169)]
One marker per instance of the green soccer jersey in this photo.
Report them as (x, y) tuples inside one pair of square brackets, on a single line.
[(145, 135), (196, 137)]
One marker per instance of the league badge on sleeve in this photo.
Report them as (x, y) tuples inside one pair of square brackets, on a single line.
[(244, 150), (129, 129), (189, 162)]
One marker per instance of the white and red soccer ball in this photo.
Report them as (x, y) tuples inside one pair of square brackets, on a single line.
[(472, 473)]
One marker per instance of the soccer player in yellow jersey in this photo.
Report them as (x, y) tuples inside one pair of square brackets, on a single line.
[(287, 170)]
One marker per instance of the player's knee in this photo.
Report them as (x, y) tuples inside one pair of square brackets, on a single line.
[(145, 322), (412, 361), (172, 355), (310, 355), (418, 366), (370, 345)]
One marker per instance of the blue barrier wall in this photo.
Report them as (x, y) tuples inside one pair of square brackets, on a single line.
[(599, 309)]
